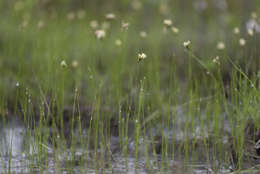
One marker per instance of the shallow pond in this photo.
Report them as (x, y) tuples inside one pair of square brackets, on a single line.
[(21, 152)]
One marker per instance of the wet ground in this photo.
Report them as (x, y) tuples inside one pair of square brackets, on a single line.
[(21, 152)]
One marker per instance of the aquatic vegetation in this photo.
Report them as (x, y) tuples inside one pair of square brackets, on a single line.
[(129, 86)]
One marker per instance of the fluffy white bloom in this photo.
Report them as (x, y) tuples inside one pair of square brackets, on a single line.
[(100, 34), (167, 22), (141, 56), (143, 34), (187, 44), (175, 30), (63, 64), (94, 24), (221, 46), (236, 30), (242, 41), (110, 16), (118, 42), (216, 60), (250, 32), (125, 25), (75, 64)]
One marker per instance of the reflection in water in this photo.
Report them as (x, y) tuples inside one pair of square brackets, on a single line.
[(19, 154), (13, 146), (11, 141)]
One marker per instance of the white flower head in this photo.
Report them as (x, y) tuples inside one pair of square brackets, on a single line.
[(75, 64), (110, 16), (167, 22), (242, 42), (63, 64), (118, 42), (236, 30), (124, 25), (186, 44), (250, 32), (216, 60), (143, 34), (221, 46), (175, 30), (94, 24), (100, 34), (141, 56)]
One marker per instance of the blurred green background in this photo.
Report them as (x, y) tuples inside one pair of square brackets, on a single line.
[(36, 35)]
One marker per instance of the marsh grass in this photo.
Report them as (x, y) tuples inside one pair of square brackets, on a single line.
[(174, 110)]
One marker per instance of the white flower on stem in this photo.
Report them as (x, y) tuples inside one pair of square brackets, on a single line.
[(216, 60), (100, 34), (175, 30), (124, 25), (236, 30), (118, 42), (63, 64), (221, 46), (143, 34), (110, 16), (167, 22), (250, 32), (75, 64), (94, 24), (141, 56), (242, 42), (186, 44)]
